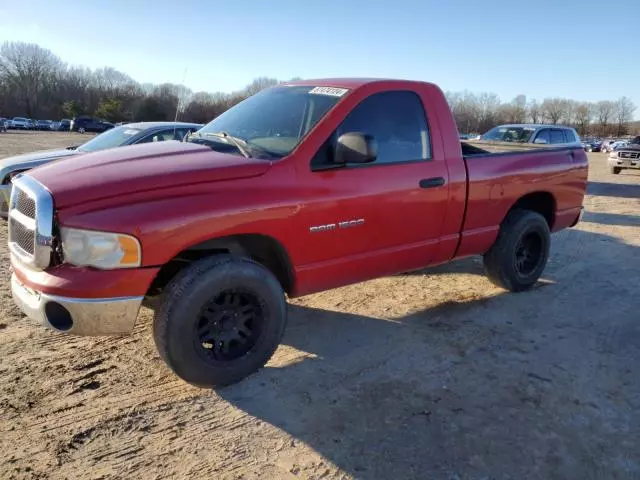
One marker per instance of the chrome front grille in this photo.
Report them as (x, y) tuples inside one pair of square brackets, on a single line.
[(30, 222), (25, 204), (629, 155), (22, 236)]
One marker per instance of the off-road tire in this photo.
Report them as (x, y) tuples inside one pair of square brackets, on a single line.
[(615, 170), (175, 325), (500, 260)]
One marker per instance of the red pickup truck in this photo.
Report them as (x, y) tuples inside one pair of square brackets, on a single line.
[(300, 188)]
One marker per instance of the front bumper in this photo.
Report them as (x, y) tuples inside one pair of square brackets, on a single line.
[(624, 162), (79, 316)]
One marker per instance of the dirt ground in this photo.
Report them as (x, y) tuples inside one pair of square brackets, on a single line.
[(435, 374)]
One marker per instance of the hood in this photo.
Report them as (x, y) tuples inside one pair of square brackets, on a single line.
[(32, 160), (632, 146), (138, 168)]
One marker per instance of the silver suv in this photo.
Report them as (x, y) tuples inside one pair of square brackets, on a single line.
[(556, 135), (625, 157)]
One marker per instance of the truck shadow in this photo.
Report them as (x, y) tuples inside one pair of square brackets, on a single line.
[(620, 190), (467, 388), (612, 219)]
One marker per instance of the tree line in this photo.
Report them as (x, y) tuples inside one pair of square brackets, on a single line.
[(477, 113), (36, 83)]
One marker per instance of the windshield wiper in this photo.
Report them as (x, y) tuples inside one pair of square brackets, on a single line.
[(235, 141)]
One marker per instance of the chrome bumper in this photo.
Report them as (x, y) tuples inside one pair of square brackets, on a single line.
[(5, 196), (78, 316), (624, 162)]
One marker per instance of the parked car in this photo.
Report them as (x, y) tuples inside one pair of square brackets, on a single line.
[(607, 145), (625, 157), (556, 135), (276, 195), (44, 125), (619, 144), (591, 144), (130, 134), (64, 125), (21, 123), (89, 124)]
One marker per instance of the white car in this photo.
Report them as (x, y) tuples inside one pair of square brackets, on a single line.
[(607, 145), (21, 123), (619, 144)]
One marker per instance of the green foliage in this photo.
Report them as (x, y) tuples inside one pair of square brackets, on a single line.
[(70, 109), (110, 109)]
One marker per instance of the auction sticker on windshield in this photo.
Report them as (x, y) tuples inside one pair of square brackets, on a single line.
[(333, 91)]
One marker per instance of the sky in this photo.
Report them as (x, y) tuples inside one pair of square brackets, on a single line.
[(543, 48)]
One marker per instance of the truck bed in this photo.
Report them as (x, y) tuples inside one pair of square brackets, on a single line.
[(495, 181)]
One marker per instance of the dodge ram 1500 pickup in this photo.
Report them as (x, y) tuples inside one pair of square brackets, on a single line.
[(302, 187)]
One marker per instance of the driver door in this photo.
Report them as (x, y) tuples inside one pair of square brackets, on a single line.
[(373, 219)]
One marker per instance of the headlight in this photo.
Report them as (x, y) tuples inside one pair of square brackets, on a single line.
[(100, 249), (613, 154)]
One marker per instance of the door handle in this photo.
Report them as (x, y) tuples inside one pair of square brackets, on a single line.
[(432, 182)]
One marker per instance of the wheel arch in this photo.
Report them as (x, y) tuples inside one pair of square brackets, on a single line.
[(263, 249), (542, 202)]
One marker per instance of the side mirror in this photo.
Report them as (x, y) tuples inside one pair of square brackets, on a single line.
[(354, 147), (540, 140)]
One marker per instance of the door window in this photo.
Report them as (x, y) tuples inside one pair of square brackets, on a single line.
[(543, 136), (557, 136), (397, 121)]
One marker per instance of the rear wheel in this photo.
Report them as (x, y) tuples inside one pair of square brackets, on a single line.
[(520, 253), (221, 319), (615, 170), (81, 130)]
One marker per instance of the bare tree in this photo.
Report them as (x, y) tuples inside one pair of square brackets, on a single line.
[(535, 111), (604, 113), (111, 80), (568, 112), (583, 114), (258, 84), (624, 113), (554, 109), (514, 111), (27, 70)]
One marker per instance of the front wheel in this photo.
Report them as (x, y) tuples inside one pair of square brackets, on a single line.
[(220, 320), (520, 253), (615, 170), (81, 130)]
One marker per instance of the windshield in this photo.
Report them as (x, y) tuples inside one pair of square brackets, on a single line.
[(111, 138), (274, 121), (509, 134)]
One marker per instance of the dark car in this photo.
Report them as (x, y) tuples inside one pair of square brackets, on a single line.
[(44, 125), (64, 125), (592, 144), (132, 133), (90, 124), (4, 124)]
